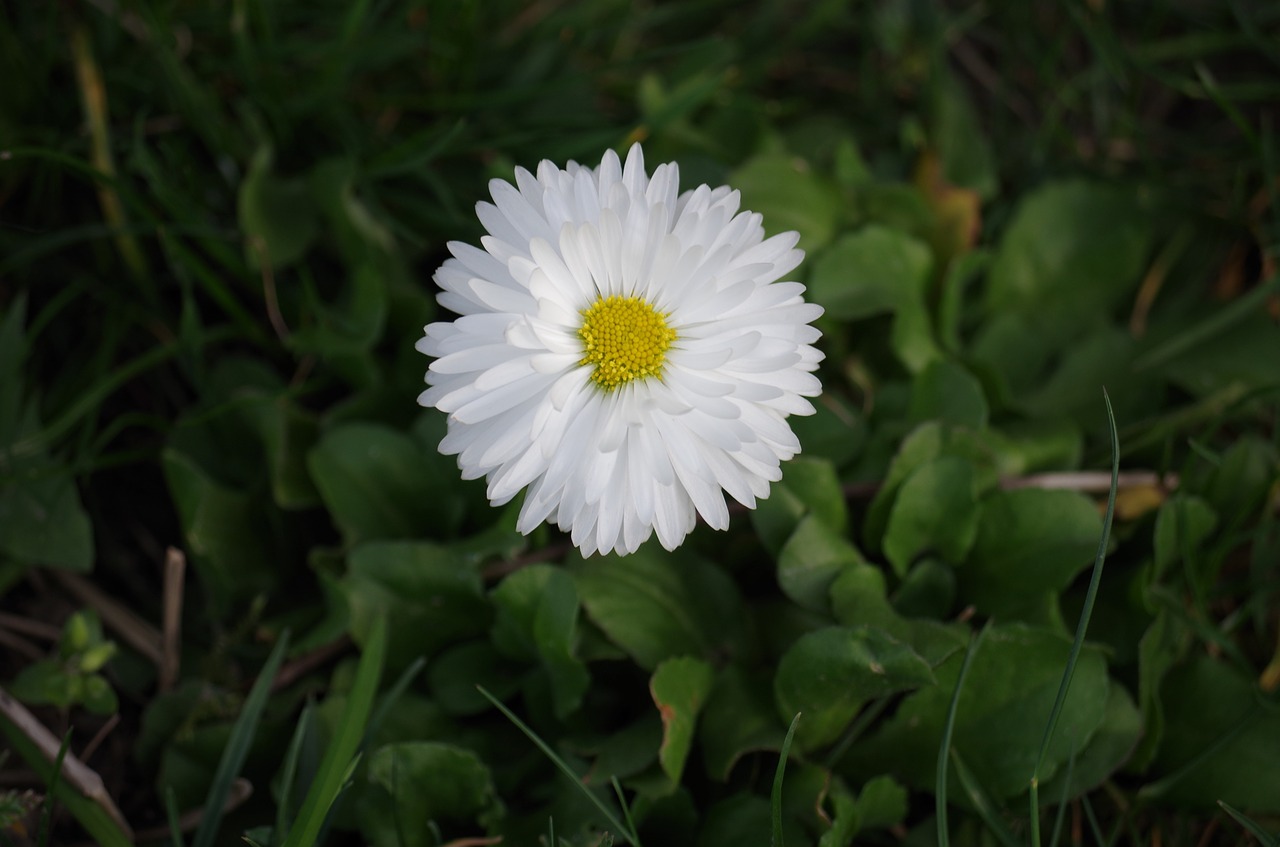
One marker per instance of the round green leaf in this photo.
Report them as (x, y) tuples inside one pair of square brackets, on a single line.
[(679, 688), (434, 596), (655, 605), (425, 782), (830, 674), (1109, 748), (740, 717), (789, 196), (811, 560), (873, 271), (945, 391), (1073, 250), (936, 511), (1031, 542), (378, 484), (1221, 741), (278, 216), (1003, 710)]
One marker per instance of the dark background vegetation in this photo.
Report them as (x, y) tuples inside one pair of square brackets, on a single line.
[(218, 225)]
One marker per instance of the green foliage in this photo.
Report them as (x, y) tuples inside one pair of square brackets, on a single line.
[(74, 676), (211, 282)]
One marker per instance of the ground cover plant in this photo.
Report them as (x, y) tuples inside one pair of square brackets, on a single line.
[(245, 599)]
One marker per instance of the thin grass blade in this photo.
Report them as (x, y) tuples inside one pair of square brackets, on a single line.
[(982, 802), (335, 768), (1082, 627), (1265, 838), (944, 749), (563, 766), (233, 756), (776, 797)]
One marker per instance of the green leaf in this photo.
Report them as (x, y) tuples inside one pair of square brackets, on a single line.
[(1008, 694), (811, 560), (936, 510), (858, 598), (1109, 748), (434, 596), (815, 483), (829, 675), (679, 688), (924, 444), (870, 272), (739, 718), (807, 486), (881, 803), (627, 751), (1239, 483), (835, 431), (656, 605), (789, 196), (1183, 524), (229, 537), (1161, 647), (1101, 357), (42, 521), (380, 484), (742, 819), (1031, 543), (425, 782), (287, 433), (278, 216), (1243, 356), (879, 270), (1074, 251), (536, 618), (1221, 741), (961, 140), (455, 672), (928, 590), (945, 391)]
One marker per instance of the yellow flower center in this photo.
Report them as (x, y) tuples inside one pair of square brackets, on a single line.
[(625, 338)]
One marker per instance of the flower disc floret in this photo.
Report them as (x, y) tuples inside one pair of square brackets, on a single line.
[(625, 338)]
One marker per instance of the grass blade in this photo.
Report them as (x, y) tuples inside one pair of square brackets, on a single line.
[(982, 803), (233, 756), (1265, 838), (46, 817), (171, 815), (944, 749), (1082, 627), (335, 768), (560, 763), (776, 797), (306, 723)]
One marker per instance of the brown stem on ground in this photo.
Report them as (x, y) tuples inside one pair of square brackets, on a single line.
[(175, 570)]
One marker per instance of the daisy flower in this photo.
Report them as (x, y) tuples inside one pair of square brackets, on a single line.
[(623, 351)]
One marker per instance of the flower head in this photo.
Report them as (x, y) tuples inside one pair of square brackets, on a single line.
[(623, 351)]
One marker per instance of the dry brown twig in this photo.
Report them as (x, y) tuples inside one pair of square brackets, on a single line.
[(75, 773)]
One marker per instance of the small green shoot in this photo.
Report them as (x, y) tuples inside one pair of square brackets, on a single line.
[(776, 797)]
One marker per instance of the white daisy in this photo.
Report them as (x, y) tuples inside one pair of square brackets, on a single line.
[(622, 351)]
